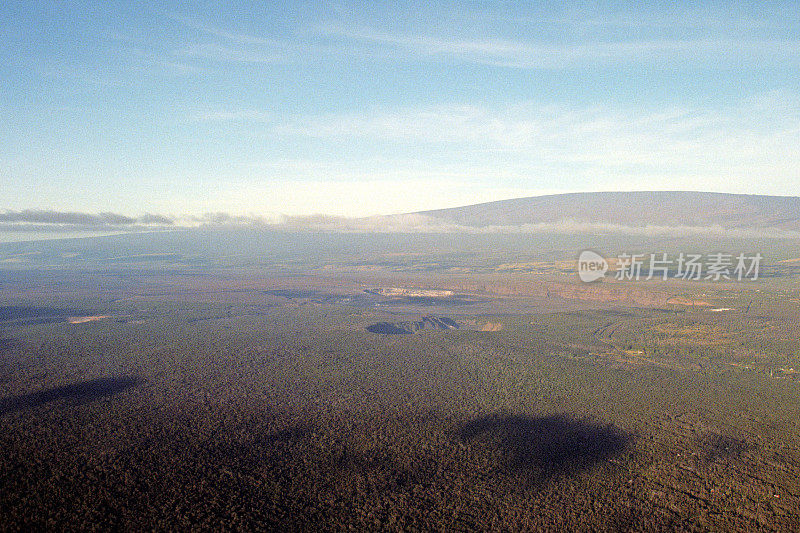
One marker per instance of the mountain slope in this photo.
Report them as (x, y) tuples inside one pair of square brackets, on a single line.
[(660, 208)]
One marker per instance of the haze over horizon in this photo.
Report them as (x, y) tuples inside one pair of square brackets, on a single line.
[(182, 109), (643, 213)]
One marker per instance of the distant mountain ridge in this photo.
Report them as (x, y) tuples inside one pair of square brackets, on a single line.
[(639, 208)]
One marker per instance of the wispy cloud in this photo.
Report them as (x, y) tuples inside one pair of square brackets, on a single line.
[(213, 30), (756, 136), (548, 55), (221, 45), (591, 39), (335, 40)]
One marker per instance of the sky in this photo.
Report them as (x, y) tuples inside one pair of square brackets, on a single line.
[(181, 109)]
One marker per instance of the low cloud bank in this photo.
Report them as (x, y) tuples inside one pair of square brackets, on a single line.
[(49, 218), (47, 221), (225, 220), (415, 223)]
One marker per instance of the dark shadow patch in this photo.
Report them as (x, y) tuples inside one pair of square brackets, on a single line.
[(427, 323), (547, 447), (387, 328), (614, 312), (296, 293), (258, 453), (438, 301), (320, 297), (77, 393), (442, 322), (259, 444), (725, 447)]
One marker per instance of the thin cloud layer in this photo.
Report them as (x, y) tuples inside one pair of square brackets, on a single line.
[(721, 146), (418, 223), (662, 42), (521, 54), (51, 220)]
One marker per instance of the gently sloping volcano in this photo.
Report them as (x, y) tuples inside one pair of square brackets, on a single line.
[(636, 209)]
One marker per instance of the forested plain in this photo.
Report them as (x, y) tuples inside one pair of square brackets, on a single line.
[(249, 405)]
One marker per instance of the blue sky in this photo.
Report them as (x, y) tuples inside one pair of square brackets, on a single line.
[(184, 108)]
